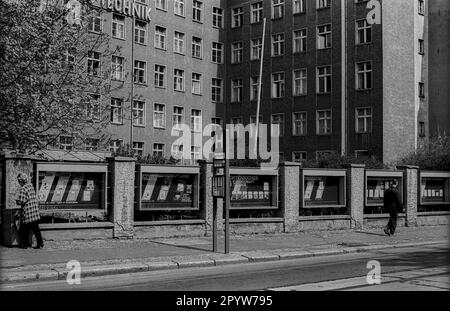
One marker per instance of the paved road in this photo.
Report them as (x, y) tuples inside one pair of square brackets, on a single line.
[(401, 269)]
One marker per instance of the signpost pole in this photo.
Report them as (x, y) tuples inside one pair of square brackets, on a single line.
[(226, 200), (215, 225)]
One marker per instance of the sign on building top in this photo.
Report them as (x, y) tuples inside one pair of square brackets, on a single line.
[(127, 7)]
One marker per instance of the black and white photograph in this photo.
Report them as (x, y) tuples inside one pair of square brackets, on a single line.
[(225, 153)]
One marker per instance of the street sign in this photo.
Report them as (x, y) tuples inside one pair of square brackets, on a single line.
[(218, 189)]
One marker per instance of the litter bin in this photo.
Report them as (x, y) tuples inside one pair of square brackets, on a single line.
[(10, 235)]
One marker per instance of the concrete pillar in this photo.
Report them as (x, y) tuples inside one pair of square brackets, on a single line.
[(290, 195), (122, 195), (410, 193), (11, 165), (206, 209), (355, 194)]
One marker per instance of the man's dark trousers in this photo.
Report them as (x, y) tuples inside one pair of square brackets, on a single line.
[(25, 234), (392, 224)]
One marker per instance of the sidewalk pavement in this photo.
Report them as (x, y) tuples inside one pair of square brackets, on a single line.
[(111, 256)]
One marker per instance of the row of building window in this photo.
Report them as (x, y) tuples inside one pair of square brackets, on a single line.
[(278, 10)]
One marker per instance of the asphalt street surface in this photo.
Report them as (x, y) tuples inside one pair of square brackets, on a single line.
[(405, 267)]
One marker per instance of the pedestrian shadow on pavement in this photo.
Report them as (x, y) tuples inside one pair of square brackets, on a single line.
[(203, 249), (371, 233)]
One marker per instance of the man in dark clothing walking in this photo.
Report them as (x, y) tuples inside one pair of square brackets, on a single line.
[(29, 213), (393, 203)]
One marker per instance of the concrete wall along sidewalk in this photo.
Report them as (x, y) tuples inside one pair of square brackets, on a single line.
[(121, 205)]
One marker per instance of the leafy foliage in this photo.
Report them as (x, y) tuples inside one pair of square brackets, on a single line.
[(434, 155), (45, 85), (337, 161)]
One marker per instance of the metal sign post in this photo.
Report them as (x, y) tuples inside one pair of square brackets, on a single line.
[(218, 191)]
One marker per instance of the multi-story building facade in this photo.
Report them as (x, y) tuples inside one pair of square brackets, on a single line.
[(439, 72), (374, 104), (334, 79)]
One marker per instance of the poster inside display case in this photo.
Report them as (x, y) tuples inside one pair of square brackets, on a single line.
[(251, 191), (434, 190), (377, 185), (70, 190), (322, 191), (171, 191)]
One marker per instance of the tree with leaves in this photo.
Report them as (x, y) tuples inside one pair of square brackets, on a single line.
[(51, 74)]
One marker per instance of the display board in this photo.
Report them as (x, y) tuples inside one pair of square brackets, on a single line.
[(71, 190), (435, 188), (251, 190), (322, 188), (377, 185), (167, 191)]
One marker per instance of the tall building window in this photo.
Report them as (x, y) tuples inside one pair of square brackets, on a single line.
[(421, 7), (197, 47), (91, 144), (421, 89), (237, 17), (114, 145), (161, 4), (299, 6), (178, 80), (256, 12), (138, 113), (324, 37), (217, 17), (196, 120), (278, 85), (140, 69), (255, 49), (277, 9), (160, 37), (363, 32), (177, 118), (196, 83), (158, 150), (363, 120), (278, 44), (95, 22), (254, 88), (323, 79), (216, 90), (236, 90), (138, 147), (178, 42), (116, 111), (299, 41), (159, 116), (178, 7), (421, 47), (117, 70), (364, 76), (299, 156), (195, 153), (321, 4), (278, 118), (236, 52), (197, 10), (160, 76), (94, 68), (93, 108), (323, 122), (299, 123), (300, 82), (65, 142), (140, 32), (118, 26), (217, 52)]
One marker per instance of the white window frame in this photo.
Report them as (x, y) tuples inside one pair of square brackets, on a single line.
[(328, 122), (255, 49), (197, 47), (237, 17), (138, 69), (160, 37), (117, 68), (298, 6), (278, 83), (366, 73), (216, 96), (197, 7), (302, 79), (159, 116), (218, 17), (237, 90), (303, 123), (117, 23), (217, 52), (328, 79), (324, 37), (196, 121), (366, 118), (116, 111), (178, 42), (179, 79), (277, 9), (237, 52), (159, 74), (177, 118), (140, 32), (278, 44), (196, 83), (282, 123), (138, 146), (365, 29), (139, 113), (257, 12), (299, 40), (179, 8)]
